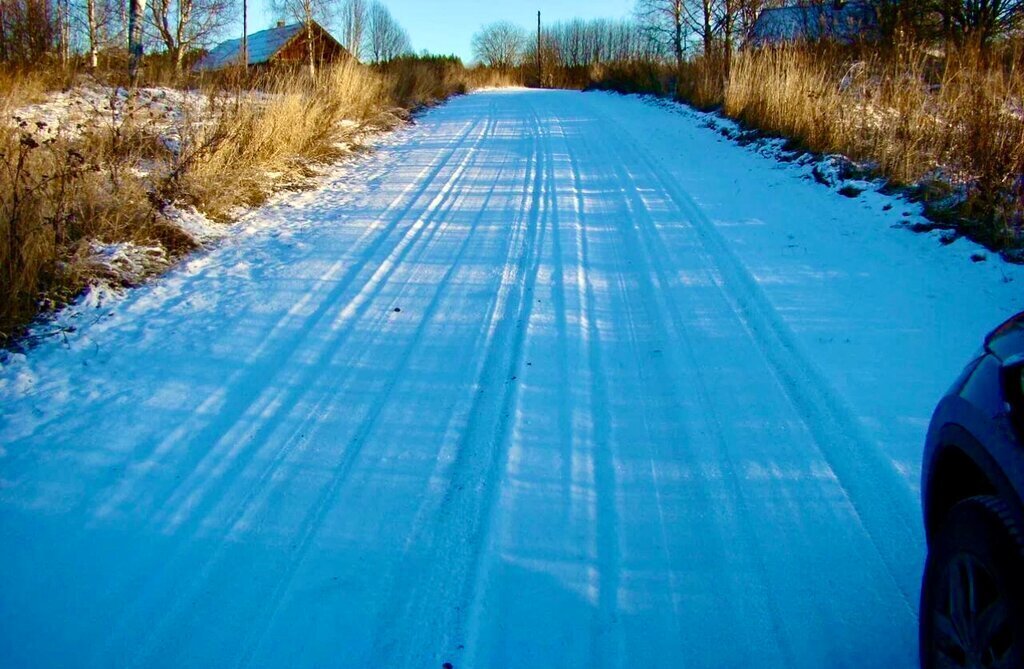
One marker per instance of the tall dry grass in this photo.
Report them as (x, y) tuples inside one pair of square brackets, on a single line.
[(414, 82), (952, 123), (58, 194), (488, 77), (225, 157), (112, 181)]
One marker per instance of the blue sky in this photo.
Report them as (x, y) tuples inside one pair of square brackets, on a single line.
[(447, 26)]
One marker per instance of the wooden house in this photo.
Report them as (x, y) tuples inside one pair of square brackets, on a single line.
[(280, 45)]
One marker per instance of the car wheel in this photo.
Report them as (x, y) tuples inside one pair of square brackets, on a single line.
[(972, 595)]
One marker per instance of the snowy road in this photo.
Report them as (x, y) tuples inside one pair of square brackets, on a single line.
[(550, 380)]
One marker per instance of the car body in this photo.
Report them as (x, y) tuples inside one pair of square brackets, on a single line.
[(972, 601)]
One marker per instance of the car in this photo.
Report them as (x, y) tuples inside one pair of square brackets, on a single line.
[(972, 591)]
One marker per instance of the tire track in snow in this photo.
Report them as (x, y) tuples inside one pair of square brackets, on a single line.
[(461, 522), (365, 429), (672, 328), (753, 551), (874, 488), (270, 358), (250, 444), (608, 648), (417, 237)]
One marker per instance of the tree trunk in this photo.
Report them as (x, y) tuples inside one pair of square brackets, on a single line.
[(90, 9), (708, 36), (4, 54), (727, 27), (181, 36), (135, 40), (64, 31), (245, 36), (309, 48), (677, 37), (122, 9)]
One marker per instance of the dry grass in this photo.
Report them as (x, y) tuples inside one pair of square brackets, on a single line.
[(21, 88), (57, 195), (952, 124), (487, 77), (702, 82), (224, 160), (111, 182)]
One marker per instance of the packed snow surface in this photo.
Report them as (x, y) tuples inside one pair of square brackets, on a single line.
[(551, 380)]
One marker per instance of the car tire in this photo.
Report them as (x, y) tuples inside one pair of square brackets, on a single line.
[(972, 594)]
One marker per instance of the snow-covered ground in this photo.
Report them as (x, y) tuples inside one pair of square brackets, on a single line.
[(552, 380), (89, 106)]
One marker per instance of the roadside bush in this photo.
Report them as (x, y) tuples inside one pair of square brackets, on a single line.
[(57, 195), (634, 76)]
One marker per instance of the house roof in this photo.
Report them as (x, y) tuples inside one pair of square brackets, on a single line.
[(842, 23), (262, 46)]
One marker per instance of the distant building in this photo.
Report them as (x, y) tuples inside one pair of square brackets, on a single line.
[(281, 45), (843, 23)]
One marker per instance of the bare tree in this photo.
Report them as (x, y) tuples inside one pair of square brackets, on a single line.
[(980, 20), (28, 30), (106, 25), (184, 24), (500, 45), (353, 26), (63, 9), (385, 39), (727, 20), (665, 22), (305, 12), (122, 15)]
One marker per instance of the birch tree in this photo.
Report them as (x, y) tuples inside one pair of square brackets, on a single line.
[(182, 25), (385, 38), (92, 30), (136, 14), (305, 12), (353, 26)]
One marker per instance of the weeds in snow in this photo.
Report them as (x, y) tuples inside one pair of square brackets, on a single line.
[(75, 184), (944, 124)]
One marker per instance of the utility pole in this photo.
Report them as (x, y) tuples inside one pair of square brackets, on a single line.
[(540, 71)]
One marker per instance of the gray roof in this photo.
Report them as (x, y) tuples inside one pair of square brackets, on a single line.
[(846, 23), (262, 47)]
